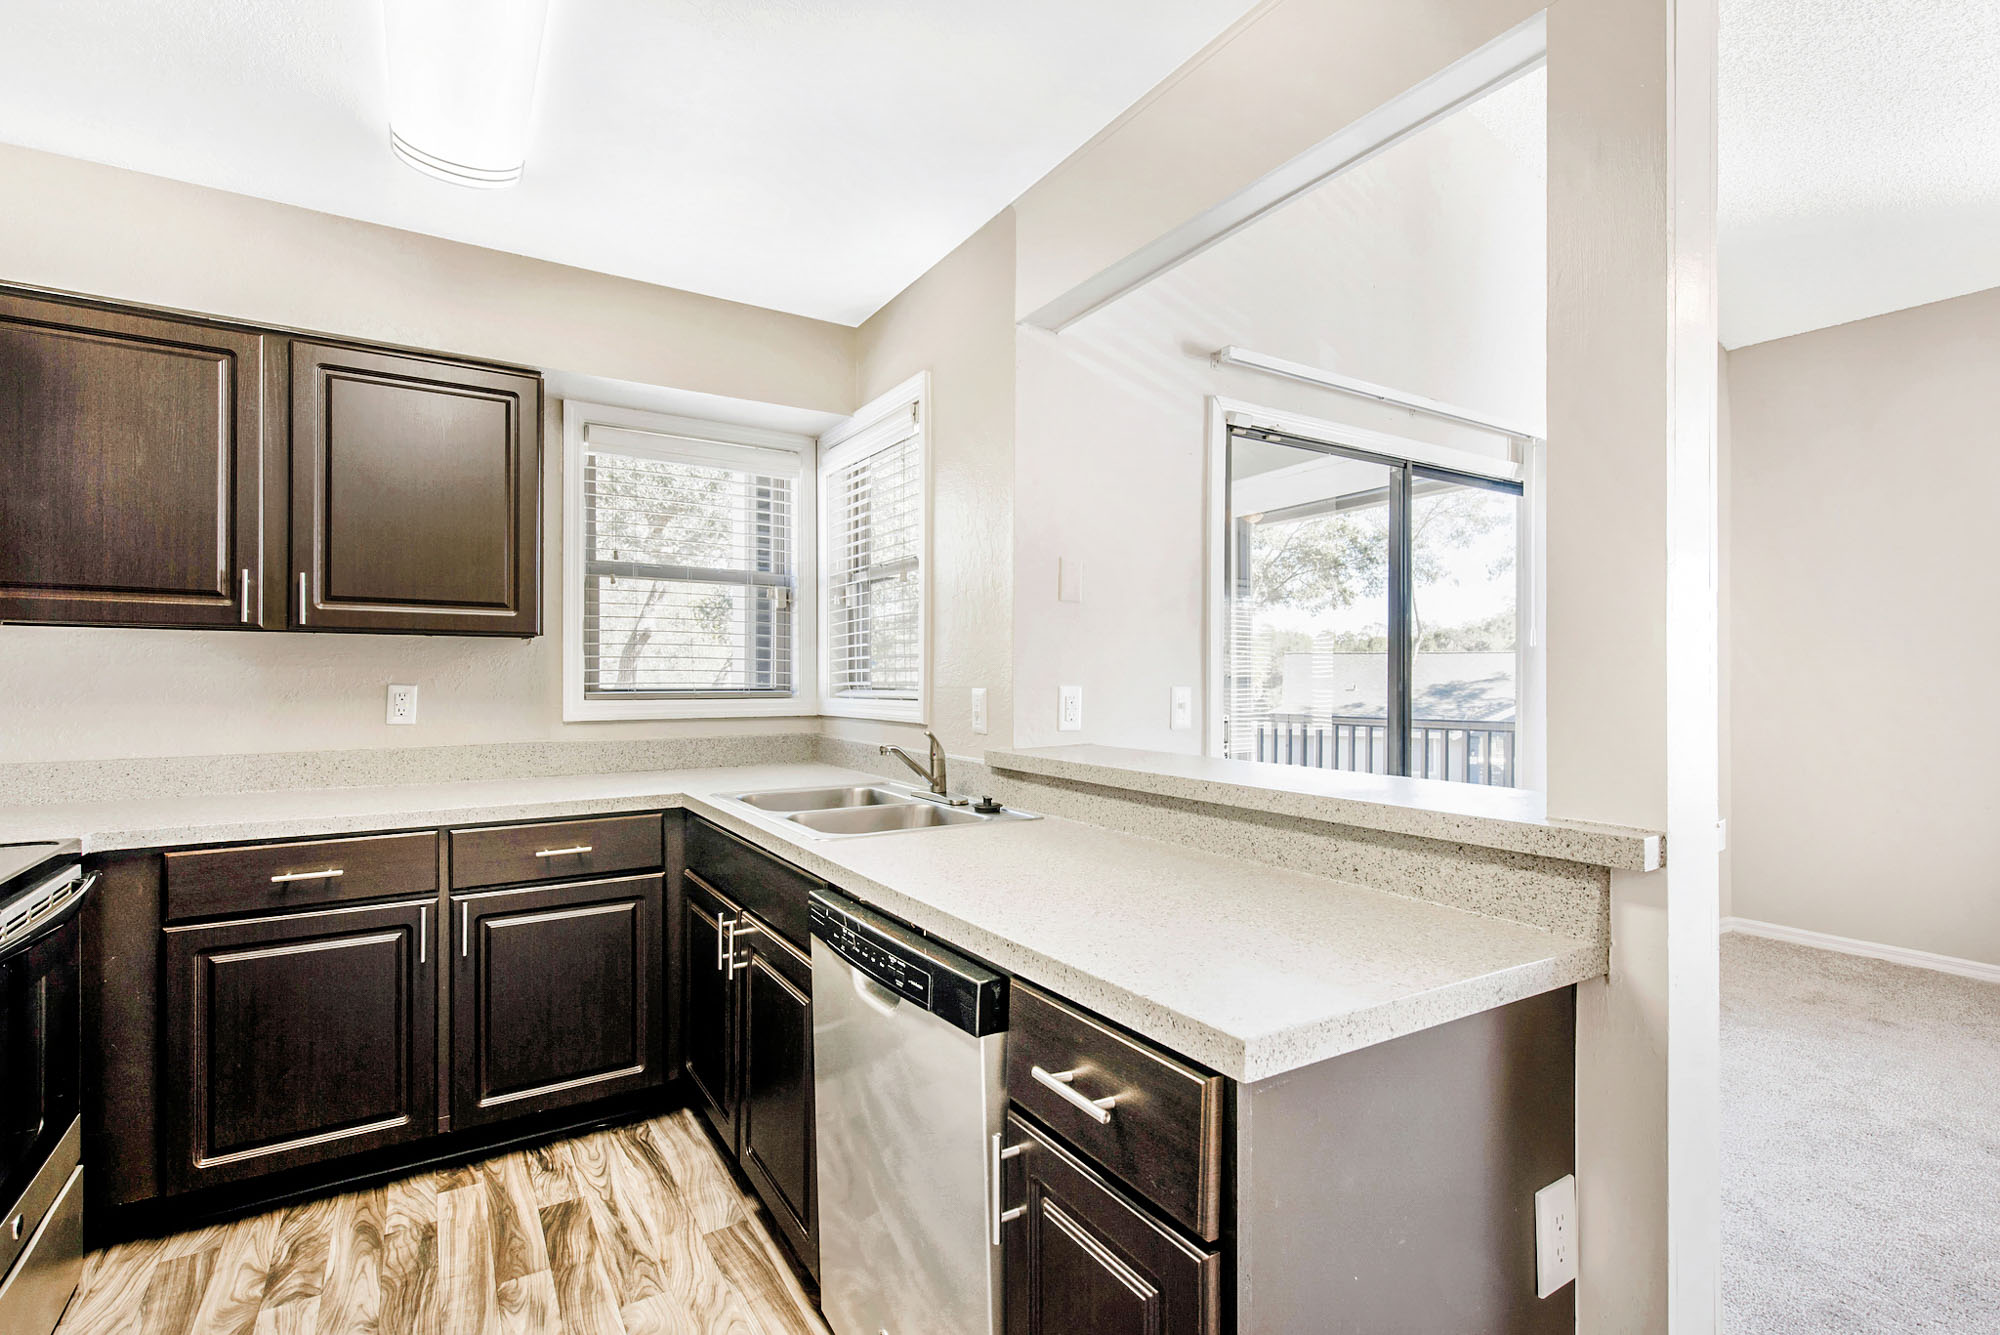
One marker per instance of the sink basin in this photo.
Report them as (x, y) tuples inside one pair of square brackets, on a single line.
[(881, 819), (823, 799)]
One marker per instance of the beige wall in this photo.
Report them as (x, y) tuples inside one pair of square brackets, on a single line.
[(1864, 648), (1421, 269), (957, 323), (81, 227)]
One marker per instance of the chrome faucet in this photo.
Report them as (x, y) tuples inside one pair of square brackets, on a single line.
[(934, 773)]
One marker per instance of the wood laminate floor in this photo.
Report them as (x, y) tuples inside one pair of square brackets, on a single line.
[(635, 1230)]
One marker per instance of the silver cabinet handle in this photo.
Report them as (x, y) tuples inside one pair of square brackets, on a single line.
[(325, 875), (423, 933), (722, 947), (246, 595), (1098, 1110), (1001, 1216), (562, 852), (302, 595), (739, 928), (464, 927)]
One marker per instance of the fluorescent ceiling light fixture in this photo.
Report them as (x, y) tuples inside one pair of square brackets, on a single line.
[(462, 85)]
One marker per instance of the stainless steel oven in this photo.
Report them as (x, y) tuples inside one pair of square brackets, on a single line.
[(42, 892)]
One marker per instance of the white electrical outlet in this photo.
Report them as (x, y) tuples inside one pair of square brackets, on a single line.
[(979, 709), (1069, 709), (1555, 1235), (1183, 711), (402, 704)]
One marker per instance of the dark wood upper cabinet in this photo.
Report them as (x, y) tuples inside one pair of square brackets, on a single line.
[(415, 494), (297, 1038), (132, 469), (557, 997)]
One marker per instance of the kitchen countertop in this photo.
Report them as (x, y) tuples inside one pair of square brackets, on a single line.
[(1252, 970), (1513, 819)]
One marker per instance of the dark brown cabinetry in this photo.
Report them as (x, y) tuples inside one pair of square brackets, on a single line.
[(297, 1038), (709, 1015), (746, 1045), (164, 470), (557, 997), (132, 460), (1079, 1257), (415, 494), (777, 1088)]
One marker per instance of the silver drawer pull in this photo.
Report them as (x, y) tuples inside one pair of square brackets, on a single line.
[(325, 875), (1098, 1110), (562, 852), (1001, 1216)]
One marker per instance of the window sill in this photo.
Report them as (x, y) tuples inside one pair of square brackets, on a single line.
[(1510, 819), (639, 711)]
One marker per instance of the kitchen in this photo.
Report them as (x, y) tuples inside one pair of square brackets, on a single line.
[(1342, 1029)]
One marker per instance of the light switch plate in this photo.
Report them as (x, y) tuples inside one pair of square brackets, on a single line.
[(402, 704), (1069, 579), (1183, 709), (979, 709), (1555, 1235), (1069, 709)]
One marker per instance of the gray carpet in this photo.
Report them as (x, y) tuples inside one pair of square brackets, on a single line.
[(1860, 1145)]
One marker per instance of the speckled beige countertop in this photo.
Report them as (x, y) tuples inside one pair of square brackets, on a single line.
[(1249, 969)]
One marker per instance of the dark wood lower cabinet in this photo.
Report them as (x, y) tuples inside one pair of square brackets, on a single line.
[(558, 997), (777, 1095), (1079, 1257), (298, 1038), (709, 1013)]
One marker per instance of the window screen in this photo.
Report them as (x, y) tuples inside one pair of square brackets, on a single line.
[(690, 567), (874, 507)]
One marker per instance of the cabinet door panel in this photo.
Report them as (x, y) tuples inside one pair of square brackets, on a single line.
[(556, 997), (299, 1038), (777, 1099), (709, 1016), (416, 493), (1080, 1257), (131, 459)]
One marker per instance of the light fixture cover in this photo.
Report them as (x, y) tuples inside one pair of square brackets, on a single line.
[(462, 85)]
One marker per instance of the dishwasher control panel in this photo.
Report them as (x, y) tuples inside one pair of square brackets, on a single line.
[(912, 965)]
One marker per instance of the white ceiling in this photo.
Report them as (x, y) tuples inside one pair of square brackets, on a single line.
[(1860, 147), (808, 155)]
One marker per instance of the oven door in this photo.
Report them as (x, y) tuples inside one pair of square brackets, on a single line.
[(41, 1045)]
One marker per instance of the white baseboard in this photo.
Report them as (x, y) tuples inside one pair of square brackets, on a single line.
[(1874, 950)]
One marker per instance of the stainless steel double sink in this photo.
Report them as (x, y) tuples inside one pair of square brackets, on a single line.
[(876, 808)]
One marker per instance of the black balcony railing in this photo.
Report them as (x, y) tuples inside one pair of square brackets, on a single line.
[(1460, 750)]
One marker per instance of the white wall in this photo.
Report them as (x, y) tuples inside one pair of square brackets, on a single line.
[(70, 694), (1864, 647), (957, 323), (1422, 269)]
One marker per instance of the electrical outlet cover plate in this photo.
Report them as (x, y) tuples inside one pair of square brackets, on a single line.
[(402, 704), (1069, 709), (979, 709), (1183, 708), (1555, 1235)]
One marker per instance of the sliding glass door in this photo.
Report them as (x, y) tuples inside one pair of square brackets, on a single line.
[(1372, 620)]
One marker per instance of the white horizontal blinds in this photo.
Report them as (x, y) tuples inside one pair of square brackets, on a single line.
[(874, 513), (690, 567)]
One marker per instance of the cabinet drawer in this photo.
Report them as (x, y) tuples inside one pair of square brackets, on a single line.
[(207, 883), (1161, 1135), (561, 850), (775, 891)]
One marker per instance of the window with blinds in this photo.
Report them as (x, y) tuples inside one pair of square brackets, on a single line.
[(690, 567), (872, 525)]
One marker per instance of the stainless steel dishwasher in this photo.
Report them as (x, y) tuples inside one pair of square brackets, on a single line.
[(909, 1101)]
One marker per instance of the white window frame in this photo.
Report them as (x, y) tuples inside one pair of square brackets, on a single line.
[(875, 426), (1527, 467), (804, 701)]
